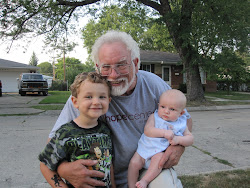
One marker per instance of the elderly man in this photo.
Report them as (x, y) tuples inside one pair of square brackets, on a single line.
[(135, 95)]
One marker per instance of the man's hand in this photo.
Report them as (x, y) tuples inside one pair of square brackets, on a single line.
[(79, 175), (171, 156)]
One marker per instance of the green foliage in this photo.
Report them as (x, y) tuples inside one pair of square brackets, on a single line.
[(150, 33), (231, 68), (58, 85), (33, 60), (73, 67), (46, 68)]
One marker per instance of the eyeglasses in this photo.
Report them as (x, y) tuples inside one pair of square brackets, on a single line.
[(121, 69)]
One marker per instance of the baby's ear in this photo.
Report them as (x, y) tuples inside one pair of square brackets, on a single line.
[(110, 99)]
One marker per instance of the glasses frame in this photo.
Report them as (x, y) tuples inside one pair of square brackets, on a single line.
[(114, 68)]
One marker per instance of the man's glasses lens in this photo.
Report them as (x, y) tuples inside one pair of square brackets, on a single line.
[(121, 69)]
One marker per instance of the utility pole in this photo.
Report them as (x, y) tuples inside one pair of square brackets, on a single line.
[(64, 69)]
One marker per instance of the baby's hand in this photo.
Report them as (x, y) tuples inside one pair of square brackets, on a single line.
[(174, 141), (168, 134)]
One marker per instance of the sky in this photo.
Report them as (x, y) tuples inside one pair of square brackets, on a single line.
[(20, 54)]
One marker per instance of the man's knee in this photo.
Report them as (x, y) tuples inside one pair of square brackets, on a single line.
[(167, 178)]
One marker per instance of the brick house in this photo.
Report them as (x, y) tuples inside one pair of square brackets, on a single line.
[(168, 66)]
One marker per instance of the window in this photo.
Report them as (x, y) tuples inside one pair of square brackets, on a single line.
[(146, 68)]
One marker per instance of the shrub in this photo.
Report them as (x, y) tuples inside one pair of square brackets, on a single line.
[(59, 85)]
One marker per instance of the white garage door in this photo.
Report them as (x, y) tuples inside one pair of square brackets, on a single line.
[(9, 81)]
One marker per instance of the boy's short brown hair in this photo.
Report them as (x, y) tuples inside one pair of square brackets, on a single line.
[(92, 77)]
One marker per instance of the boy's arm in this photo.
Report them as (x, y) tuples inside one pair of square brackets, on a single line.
[(52, 177), (112, 174), (151, 131), (186, 140)]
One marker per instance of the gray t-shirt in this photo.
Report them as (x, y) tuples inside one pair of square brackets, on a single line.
[(127, 116)]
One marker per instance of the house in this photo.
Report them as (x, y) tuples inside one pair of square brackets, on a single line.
[(10, 71), (167, 66)]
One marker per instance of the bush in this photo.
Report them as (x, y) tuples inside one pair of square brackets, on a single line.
[(58, 85)]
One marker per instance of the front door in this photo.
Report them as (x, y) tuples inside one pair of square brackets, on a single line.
[(166, 74)]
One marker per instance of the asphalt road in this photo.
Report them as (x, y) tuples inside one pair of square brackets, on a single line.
[(222, 134)]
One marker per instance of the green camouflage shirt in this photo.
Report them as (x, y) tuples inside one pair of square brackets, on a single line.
[(72, 142)]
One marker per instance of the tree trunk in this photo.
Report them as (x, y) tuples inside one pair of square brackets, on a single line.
[(180, 29), (194, 86)]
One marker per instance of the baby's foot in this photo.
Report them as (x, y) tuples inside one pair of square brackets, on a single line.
[(141, 184)]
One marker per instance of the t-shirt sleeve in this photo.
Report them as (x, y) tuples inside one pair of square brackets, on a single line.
[(53, 153)]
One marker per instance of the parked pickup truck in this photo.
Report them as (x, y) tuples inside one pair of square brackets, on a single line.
[(32, 82)]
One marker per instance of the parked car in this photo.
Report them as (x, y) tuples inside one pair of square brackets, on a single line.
[(32, 82), (1, 89)]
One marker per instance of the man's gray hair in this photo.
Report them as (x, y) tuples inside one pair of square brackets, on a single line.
[(116, 36)]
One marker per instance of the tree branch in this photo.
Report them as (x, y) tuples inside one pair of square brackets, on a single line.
[(152, 4), (76, 4)]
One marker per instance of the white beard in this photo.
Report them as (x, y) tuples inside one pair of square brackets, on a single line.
[(120, 90)]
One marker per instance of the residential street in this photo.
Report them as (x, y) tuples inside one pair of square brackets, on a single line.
[(222, 134)]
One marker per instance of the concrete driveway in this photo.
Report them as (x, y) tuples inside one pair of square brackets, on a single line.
[(221, 134)]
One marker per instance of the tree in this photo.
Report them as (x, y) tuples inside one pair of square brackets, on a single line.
[(73, 68), (46, 68), (199, 29), (150, 33), (231, 69), (33, 60)]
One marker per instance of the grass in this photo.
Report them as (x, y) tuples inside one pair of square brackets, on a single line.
[(232, 95), (49, 107), (236, 98), (228, 179), (56, 97)]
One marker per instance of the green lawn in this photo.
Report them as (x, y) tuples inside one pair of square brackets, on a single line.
[(227, 179), (232, 95), (56, 97)]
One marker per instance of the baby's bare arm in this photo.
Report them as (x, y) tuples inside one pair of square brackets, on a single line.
[(186, 140), (151, 131)]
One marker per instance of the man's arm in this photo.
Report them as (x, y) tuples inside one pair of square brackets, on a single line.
[(151, 131), (173, 154), (78, 175), (52, 177)]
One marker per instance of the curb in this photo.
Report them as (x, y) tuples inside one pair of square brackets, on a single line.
[(216, 108)]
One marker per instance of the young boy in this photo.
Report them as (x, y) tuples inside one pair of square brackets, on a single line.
[(166, 126), (86, 137)]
